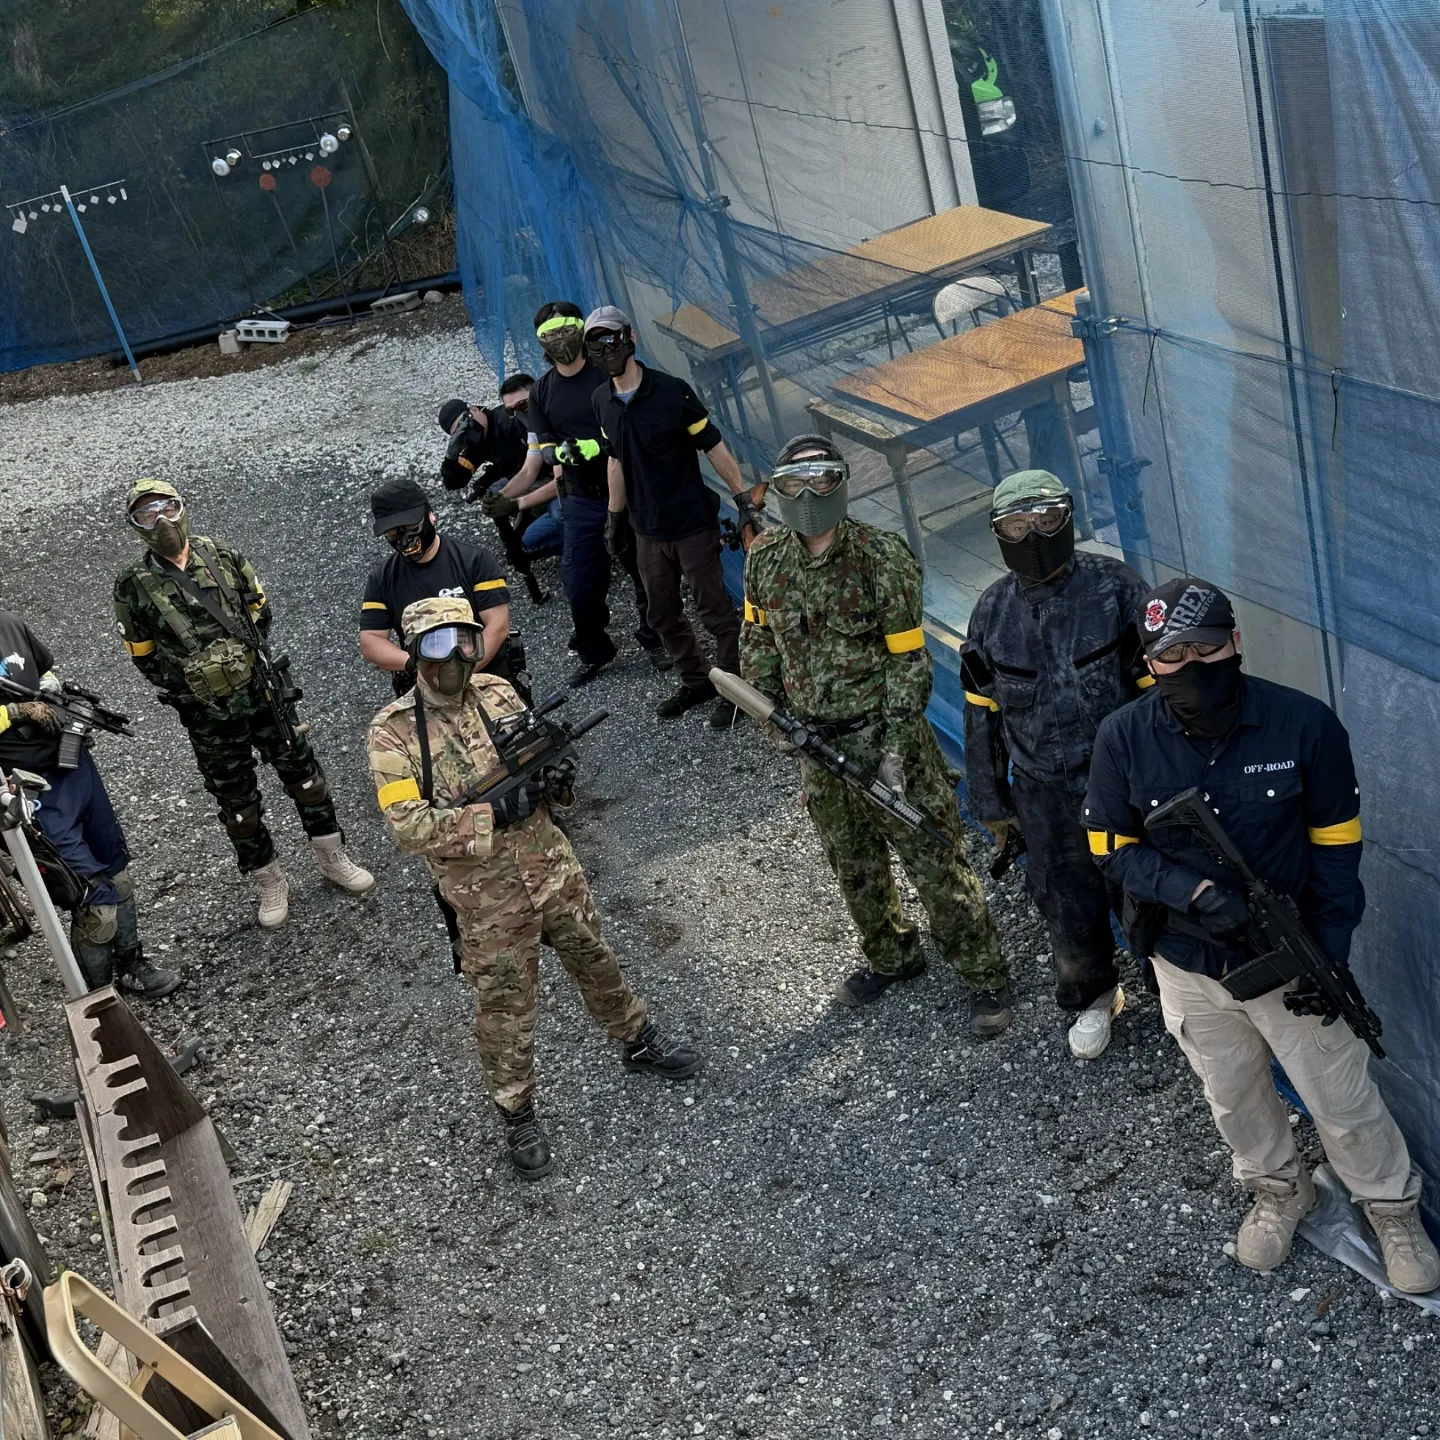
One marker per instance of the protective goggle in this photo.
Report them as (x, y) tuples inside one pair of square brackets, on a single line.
[(149, 513), (605, 339), (1187, 650), (824, 477), (1046, 517), (558, 322), (446, 641)]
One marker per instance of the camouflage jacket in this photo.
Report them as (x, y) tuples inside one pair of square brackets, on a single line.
[(836, 636), (1042, 666), (146, 599), (468, 858)]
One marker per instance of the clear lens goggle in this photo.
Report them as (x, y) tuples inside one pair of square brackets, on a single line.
[(824, 477), (1045, 517), (445, 641), (148, 514)]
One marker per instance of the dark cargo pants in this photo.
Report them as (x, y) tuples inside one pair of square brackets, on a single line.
[(585, 574), (696, 558)]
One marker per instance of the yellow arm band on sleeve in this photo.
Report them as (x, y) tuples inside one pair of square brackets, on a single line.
[(983, 701), (1144, 682), (694, 429), (1347, 832), (465, 464), (4, 718), (903, 641), (139, 648), (1107, 842), (491, 585), (754, 615), (373, 605), (397, 791)]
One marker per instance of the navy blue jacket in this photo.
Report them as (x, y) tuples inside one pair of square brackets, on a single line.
[(1283, 785)]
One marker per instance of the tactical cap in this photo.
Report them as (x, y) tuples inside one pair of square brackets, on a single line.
[(423, 615), (1184, 611), (1026, 485), (397, 503), (607, 317), (142, 488), (450, 412)]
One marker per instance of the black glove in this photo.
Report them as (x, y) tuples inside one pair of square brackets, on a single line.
[(518, 805), (748, 510), (1307, 998), (558, 782), (1222, 912), (498, 505), (619, 537)]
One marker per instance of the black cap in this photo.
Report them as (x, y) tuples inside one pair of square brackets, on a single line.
[(1184, 610), (396, 503), (450, 412)]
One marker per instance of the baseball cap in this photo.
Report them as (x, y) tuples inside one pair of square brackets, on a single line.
[(450, 412), (607, 317), (1184, 610), (396, 503), (1028, 485)]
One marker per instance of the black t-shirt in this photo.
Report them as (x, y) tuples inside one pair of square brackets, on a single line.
[(657, 437), (458, 568), (562, 408), (24, 659)]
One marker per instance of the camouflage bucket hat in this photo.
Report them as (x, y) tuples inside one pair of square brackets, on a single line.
[(147, 486), (1028, 485), (423, 615)]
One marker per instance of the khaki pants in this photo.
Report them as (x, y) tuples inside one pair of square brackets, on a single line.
[(1229, 1045)]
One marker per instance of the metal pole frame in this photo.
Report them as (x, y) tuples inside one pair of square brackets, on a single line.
[(104, 293), (45, 915)]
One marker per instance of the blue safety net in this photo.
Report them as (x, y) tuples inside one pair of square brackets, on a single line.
[(872, 221), (329, 129)]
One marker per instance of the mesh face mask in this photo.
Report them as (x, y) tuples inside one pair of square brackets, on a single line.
[(812, 494)]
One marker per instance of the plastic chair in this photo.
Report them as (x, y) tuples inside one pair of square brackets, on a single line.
[(975, 296)]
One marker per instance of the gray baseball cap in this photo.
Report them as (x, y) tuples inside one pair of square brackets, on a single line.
[(607, 317)]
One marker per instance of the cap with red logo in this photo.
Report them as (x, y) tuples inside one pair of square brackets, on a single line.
[(1184, 611)]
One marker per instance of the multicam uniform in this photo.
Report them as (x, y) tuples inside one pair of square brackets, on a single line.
[(511, 889), (836, 640), (168, 635)]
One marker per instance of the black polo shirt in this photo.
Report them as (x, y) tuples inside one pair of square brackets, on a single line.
[(503, 442), (24, 658), (1283, 786), (458, 568), (658, 436), (561, 408)]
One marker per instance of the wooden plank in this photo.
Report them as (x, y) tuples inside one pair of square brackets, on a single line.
[(262, 1220), (972, 368)]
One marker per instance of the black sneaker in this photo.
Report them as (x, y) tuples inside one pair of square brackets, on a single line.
[(686, 698), (136, 975), (526, 1142), (586, 673), (865, 986), (660, 662), (658, 1055), (724, 716), (991, 1011)]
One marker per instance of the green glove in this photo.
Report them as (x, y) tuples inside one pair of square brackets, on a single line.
[(499, 506), (576, 452)]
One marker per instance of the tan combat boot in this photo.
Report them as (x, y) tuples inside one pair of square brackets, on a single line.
[(338, 868), (1410, 1259), (1269, 1226), (274, 894)]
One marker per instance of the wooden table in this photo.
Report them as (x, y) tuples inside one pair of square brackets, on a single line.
[(876, 280), (960, 384)]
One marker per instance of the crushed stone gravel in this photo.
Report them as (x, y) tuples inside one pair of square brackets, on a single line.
[(851, 1223)]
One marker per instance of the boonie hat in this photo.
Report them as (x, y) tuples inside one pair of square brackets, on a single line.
[(397, 503), (1026, 485), (434, 613), (1184, 610), (607, 317)]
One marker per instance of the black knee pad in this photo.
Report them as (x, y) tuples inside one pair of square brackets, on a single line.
[(309, 791), (243, 823)]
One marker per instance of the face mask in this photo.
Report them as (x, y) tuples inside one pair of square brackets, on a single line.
[(1205, 696), (812, 514), (563, 347), (412, 541), (169, 537), (1037, 557), (612, 356), (453, 675)]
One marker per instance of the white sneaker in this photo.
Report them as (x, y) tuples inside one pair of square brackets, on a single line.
[(338, 868), (274, 891), (1090, 1034)]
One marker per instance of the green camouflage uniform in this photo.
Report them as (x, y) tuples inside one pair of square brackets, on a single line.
[(836, 638), (162, 627), (511, 889)]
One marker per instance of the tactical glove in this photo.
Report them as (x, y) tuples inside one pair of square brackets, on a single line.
[(776, 737), (576, 452), (1222, 912), (1307, 998), (37, 712), (748, 505), (892, 772), (499, 506), (619, 537), (1000, 829), (558, 782), (518, 805)]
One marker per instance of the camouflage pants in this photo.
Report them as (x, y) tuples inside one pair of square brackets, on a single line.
[(226, 741), (500, 941), (857, 839)]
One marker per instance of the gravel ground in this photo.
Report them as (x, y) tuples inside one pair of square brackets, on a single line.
[(851, 1223)]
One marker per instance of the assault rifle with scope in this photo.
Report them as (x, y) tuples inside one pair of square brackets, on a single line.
[(81, 714)]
